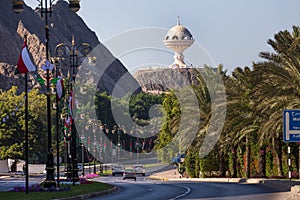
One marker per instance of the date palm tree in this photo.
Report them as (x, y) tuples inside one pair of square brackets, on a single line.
[(279, 87), (241, 123)]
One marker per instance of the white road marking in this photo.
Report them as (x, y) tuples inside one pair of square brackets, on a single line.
[(188, 190)]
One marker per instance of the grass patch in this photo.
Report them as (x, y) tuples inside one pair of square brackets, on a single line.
[(105, 172), (75, 190), (154, 165)]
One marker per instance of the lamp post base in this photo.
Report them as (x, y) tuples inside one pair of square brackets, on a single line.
[(68, 174), (49, 184), (94, 167), (50, 181), (75, 171)]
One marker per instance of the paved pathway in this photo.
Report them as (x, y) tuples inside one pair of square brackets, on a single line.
[(9, 181)]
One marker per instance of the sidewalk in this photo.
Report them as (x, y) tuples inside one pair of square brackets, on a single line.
[(173, 175), (166, 175), (18, 175)]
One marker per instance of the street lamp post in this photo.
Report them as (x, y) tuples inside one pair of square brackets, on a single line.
[(89, 148), (137, 146), (94, 149), (82, 153), (46, 10), (61, 52), (117, 130), (94, 142)]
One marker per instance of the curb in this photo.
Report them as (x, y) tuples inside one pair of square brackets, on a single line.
[(159, 178), (233, 180), (223, 180), (90, 195)]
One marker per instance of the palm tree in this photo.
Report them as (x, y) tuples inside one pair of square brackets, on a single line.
[(241, 123), (279, 88), (210, 92)]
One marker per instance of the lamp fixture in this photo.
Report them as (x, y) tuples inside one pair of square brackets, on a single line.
[(74, 5), (17, 6)]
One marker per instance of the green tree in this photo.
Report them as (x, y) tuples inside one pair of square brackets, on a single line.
[(12, 131), (163, 144)]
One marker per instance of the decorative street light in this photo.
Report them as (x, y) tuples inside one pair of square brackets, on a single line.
[(74, 5), (82, 137), (71, 53), (94, 150), (117, 129), (17, 6), (67, 146), (137, 146), (46, 10), (88, 153)]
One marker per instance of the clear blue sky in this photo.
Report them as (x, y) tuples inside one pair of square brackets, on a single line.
[(233, 32)]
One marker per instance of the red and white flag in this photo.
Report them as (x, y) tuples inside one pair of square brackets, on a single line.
[(24, 63), (71, 104), (130, 148), (59, 87)]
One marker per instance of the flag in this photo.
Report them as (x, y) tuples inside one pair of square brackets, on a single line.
[(104, 145), (144, 142), (150, 144), (130, 148), (59, 87), (24, 64), (71, 104), (67, 125)]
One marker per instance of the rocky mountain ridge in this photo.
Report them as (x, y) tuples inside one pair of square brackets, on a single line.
[(63, 24)]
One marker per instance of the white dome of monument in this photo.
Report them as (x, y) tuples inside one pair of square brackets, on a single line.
[(178, 38), (179, 32)]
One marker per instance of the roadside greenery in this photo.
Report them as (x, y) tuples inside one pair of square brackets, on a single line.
[(12, 125), (73, 191), (251, 143)]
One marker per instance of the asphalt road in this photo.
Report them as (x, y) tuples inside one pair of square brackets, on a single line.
[(146, 189), (142, 189)]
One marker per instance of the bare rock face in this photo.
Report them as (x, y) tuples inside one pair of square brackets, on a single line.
[(62, 26), (164, 79), (7, 76)]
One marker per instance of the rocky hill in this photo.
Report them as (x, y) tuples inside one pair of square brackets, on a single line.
[(63, 24), (164, 79)]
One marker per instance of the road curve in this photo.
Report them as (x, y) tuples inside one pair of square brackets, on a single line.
[(145, 189)]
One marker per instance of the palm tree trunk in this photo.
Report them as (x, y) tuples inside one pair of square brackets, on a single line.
[(278, 152), (234, 163), (262, 162), (222, 170), (248, 157)]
